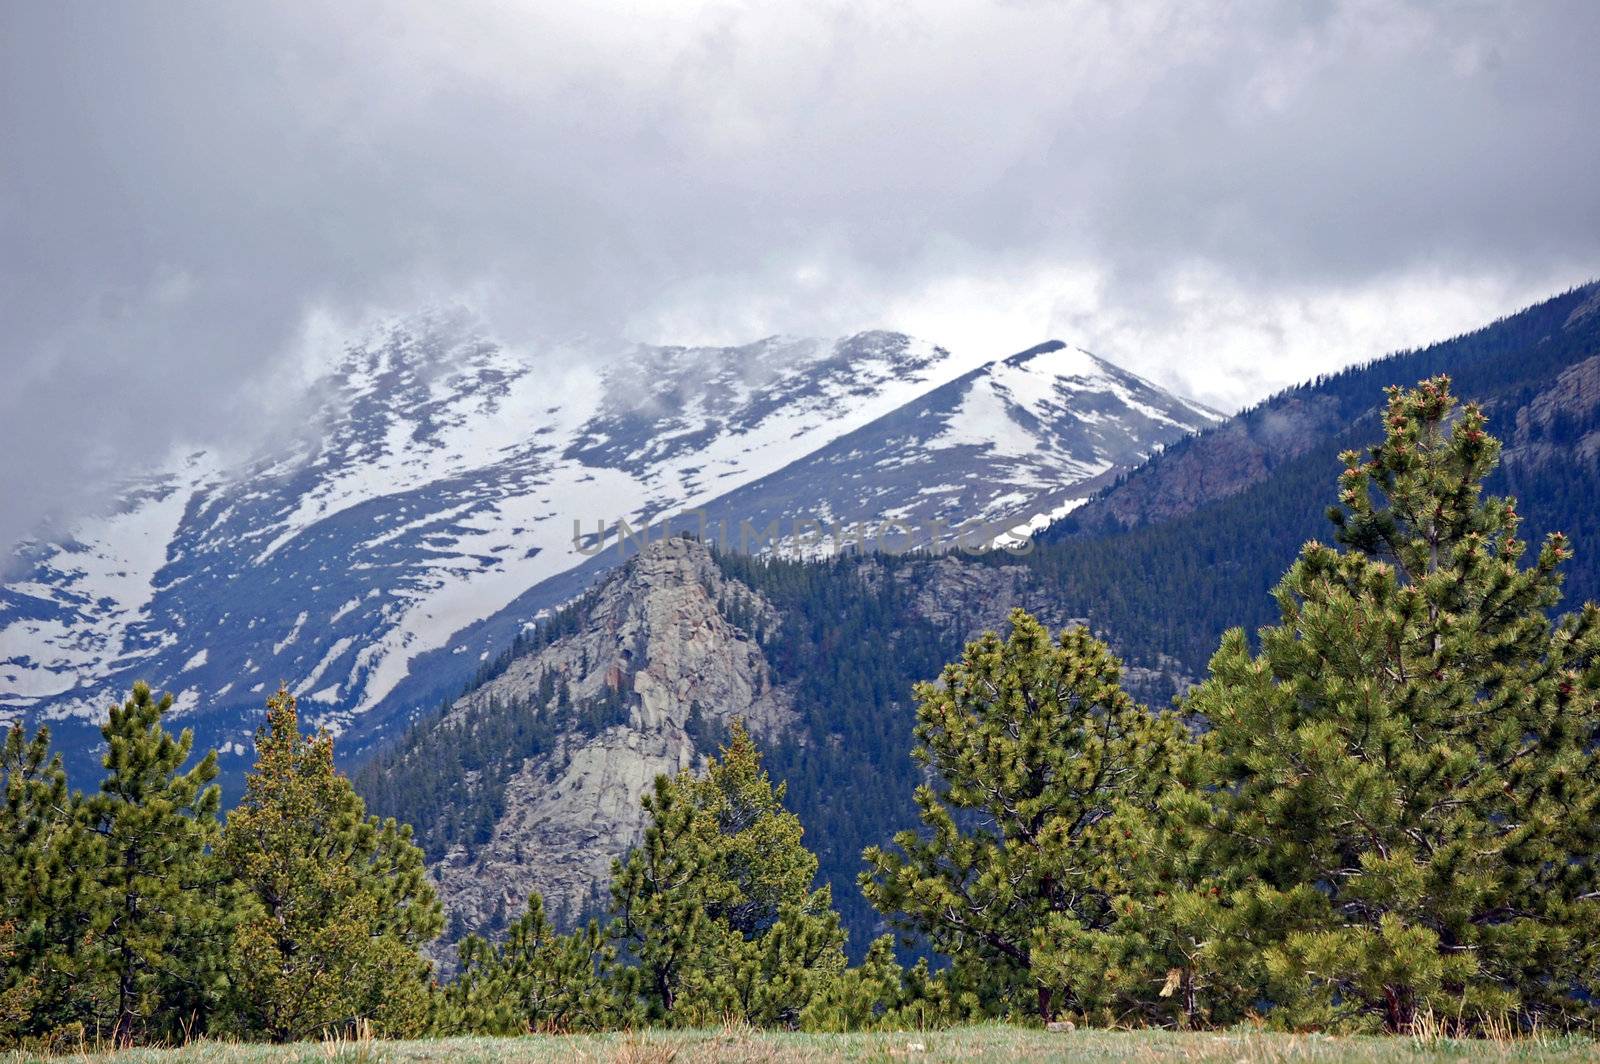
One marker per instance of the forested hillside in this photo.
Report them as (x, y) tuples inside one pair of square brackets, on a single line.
[(1163, 568), (845, 640), (1506, 363), (848, 651), (1164, 591)]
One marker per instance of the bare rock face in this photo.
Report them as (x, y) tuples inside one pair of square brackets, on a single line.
[(976, 598), (973, 598), (1583, 310), (655, 631), (1216, 464), (1564, 419)]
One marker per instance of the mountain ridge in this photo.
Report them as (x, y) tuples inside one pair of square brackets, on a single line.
[(847, 637), (1222, 461), (373, 564)]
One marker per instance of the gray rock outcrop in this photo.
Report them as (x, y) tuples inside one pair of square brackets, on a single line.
[(656, 633)]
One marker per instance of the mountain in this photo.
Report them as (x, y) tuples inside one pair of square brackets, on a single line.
[(523, 782), (1191, 543), (1543, 349), (425, 512), (531, 780), (1060, 424), (1003, 447)]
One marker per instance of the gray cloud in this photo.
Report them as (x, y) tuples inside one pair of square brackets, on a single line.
[(1220, 196)]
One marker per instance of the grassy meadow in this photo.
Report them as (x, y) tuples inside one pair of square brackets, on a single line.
[(983, 1043)]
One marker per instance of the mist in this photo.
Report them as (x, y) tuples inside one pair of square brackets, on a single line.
[(199, 204)]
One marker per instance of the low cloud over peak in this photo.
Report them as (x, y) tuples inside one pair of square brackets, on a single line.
[(1220, 197)]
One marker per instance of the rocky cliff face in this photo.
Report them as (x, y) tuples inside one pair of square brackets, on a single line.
[(655, 639), (668, 647), (1564, 419), (969, 599), (956, 594), (1216, 464)]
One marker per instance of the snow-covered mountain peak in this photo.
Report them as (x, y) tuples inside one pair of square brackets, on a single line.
[(438, 477), (1052, 371), (434, 500), (1003, 446)]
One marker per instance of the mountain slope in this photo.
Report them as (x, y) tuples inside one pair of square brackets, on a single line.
[(1192, 543), (1027, 435), (1060, 423), (425, 514), (845, 639), (532, 780), (437, 482), (1501, 364)]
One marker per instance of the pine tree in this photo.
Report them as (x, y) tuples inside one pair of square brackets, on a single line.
[(158, 914), (1407, 777), (536, 980), (1042, 759), (881, 995), (46, 859), (338, 902), (716, 905)]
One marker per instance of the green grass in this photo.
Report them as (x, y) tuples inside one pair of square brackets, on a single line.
[(987, 1043)]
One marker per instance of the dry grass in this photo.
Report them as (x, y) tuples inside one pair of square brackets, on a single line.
[(741, 1045)]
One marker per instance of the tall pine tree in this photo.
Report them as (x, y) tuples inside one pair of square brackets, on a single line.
[(47, 860), (716, 905), (1407, 779), (1042, 763), (157, 903), (338, 902)]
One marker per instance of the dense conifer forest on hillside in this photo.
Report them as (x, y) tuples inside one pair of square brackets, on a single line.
[(1384, 809), (1172, 587), (849, 649)]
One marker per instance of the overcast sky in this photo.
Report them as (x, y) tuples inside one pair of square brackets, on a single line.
[(198, 200)]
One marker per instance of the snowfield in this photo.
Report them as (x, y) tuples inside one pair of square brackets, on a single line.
[(434, 507)]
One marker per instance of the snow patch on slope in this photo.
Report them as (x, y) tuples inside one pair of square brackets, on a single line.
[(984, 420), (446, 477), (92, 589)]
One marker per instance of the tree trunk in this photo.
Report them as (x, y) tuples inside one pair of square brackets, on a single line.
[(664, 988), (1401, 1014), (122, 1033), (1044, 1004)]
